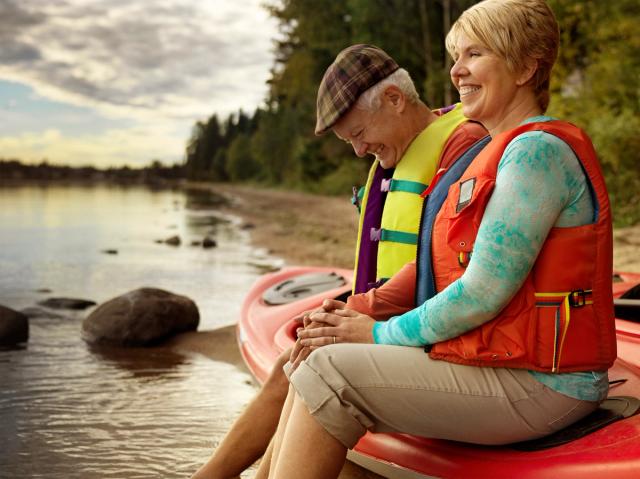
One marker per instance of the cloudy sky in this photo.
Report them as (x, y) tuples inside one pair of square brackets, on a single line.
[(114, 82)]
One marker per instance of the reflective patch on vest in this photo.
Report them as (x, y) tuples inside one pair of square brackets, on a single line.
[(466, 193)]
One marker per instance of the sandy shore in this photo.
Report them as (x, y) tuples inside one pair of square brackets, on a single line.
[(317, 230), (321, 230)]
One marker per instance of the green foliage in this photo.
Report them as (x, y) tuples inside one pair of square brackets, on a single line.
[(273, 146), (349, 173), (241, 165), (595, 86)]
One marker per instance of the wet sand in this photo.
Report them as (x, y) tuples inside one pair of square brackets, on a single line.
[(317, 230)]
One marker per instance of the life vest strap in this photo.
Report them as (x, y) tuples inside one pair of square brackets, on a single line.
[(393, 236), (406, 186)]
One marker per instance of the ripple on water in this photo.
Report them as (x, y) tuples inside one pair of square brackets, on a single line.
[(126, 414)]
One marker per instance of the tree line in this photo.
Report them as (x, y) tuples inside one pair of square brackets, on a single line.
[(594, 85), (12, 170)]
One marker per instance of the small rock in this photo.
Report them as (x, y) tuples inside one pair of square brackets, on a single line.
[(196, 243), (110, 251), (14, 327), (66, 303), (141, 317), (43, 290), (247, 226), (209, 242), (173, 240)]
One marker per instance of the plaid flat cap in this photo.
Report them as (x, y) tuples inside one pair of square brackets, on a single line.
[(355, 70)]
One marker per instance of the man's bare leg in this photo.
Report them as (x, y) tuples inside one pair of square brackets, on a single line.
[(250, 434)]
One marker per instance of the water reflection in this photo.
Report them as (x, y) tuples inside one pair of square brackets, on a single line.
[(197, 199), (69, 410), (139, 362)]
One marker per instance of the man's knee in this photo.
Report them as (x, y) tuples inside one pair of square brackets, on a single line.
[(277, 381)]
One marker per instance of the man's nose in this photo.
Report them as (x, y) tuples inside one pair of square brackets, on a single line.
[(360, 148)]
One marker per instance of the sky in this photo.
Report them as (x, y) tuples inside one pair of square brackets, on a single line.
[(122, 82)]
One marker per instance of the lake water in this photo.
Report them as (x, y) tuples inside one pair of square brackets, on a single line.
[(67, 410)]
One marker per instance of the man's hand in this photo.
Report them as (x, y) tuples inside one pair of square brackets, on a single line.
[(327, 306)]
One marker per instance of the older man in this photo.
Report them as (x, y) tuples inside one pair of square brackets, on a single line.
[(370, 102)]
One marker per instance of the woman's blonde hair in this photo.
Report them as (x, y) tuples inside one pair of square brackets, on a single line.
[(517, 31)]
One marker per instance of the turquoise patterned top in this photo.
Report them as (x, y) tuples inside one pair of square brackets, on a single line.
[(540, 184)]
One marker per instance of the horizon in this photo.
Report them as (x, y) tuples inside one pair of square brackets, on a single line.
[(114, 83)]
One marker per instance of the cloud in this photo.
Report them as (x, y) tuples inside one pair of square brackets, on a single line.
[(133, 146), (177, 58)]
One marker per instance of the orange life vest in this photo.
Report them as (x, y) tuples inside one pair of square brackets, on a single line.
[(561, 319)]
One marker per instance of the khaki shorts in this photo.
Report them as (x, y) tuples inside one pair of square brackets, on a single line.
[(352, 388)]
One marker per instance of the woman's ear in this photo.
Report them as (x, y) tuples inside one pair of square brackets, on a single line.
[(530, 69), (394, 98)]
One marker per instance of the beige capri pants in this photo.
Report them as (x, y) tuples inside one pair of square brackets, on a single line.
[(352, 388)]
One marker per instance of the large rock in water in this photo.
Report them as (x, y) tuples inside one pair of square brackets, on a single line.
[(141, 317), (14, 327)]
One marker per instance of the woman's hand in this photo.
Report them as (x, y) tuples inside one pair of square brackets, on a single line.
[(324, 328), (299, 353), (338, 326)]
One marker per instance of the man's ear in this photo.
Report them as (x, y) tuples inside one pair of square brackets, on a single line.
[(529, 70), (394, 98)]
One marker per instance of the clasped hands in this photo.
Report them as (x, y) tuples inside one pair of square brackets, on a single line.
[(331, 323)]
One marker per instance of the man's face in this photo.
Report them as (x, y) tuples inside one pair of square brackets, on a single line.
[(377, 133)]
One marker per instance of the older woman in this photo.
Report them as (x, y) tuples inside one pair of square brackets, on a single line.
[(520, 333)]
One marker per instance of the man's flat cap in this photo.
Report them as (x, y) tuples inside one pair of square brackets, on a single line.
[(355, 70)]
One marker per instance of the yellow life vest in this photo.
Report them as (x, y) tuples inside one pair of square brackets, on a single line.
[(398, 235)]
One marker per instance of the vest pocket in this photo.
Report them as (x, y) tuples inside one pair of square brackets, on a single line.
[(564, 330), (465, 212)]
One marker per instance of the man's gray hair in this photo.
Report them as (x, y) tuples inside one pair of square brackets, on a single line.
[(371, 99)]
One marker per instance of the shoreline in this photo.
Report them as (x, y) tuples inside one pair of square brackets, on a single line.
[(311, 230)]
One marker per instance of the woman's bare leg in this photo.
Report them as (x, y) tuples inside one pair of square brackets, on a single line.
[(307, 450), (268, 460)]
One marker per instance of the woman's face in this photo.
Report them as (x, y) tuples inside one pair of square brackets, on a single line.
[(488, 90)]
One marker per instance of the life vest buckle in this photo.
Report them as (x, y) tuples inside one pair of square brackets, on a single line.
[(578, 297), (356, 198)]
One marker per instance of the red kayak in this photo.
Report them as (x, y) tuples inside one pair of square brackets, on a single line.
[(265, 330)]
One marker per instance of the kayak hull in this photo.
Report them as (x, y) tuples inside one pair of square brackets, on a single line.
[(265, 331)]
